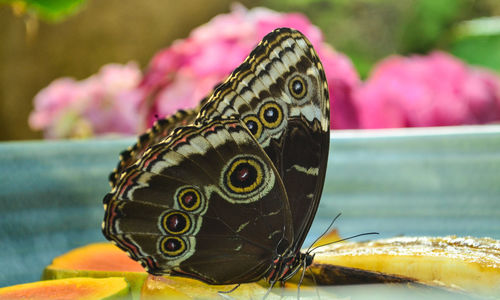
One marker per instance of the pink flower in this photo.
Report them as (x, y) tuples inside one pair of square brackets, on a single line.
[(433, 90), (103, 103), (342, 82), (50, 101), (118, 100), (181, 75)]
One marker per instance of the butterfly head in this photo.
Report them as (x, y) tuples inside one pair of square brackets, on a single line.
[(285, 267)]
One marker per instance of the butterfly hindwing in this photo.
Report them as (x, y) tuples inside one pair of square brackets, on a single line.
[(206, 202), (280, 92), (160, 130)]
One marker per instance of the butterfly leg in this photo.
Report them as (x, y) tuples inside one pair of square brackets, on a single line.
[(315, 284), (269, 290), (231, 290)]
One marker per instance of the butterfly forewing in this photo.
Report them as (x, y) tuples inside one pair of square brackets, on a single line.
[(280, 93), (206, 202)]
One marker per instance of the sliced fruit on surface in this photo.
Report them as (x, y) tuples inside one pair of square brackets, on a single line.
[(97, 257), (174, 287), (160, 287), (470, 264), (70, 288), (330, 237), (97, 260)]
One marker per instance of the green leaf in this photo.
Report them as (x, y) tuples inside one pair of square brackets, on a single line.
[(428, 22), (48, 10), (478, 42)]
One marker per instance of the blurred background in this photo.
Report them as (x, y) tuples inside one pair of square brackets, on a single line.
[(100, 68), (45, 40)]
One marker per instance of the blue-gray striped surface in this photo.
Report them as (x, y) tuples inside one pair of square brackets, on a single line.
[(437, 181)]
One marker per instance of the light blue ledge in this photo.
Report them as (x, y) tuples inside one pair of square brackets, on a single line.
[(436, 181)]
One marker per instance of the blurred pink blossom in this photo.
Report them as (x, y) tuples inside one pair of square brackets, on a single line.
[(182, 74), (101, 104), (118, 100), (433, 90)]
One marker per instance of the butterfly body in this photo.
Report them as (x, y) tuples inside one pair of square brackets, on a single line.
[(231, 197)]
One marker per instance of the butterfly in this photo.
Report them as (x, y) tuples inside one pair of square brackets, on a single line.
[(229, 196)]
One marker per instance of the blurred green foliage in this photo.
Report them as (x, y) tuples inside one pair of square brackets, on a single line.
[(370, 30), (428, 23), (366, 30), (478, 42), (47, 10)]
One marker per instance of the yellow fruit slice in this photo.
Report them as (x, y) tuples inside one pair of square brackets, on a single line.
[(471, 264), (161, 287), (97, 260), (71, 288), (174, 287), (331, 237)]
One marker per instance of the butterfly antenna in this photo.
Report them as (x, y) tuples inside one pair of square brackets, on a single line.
[(325, 232), (344, 239)]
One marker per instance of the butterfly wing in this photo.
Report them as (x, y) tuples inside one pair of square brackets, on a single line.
[(206, 203), (281, 94), (160, 130)]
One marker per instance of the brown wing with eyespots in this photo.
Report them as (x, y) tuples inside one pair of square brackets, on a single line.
[(206, 203), (160, 130), (280, 92)]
